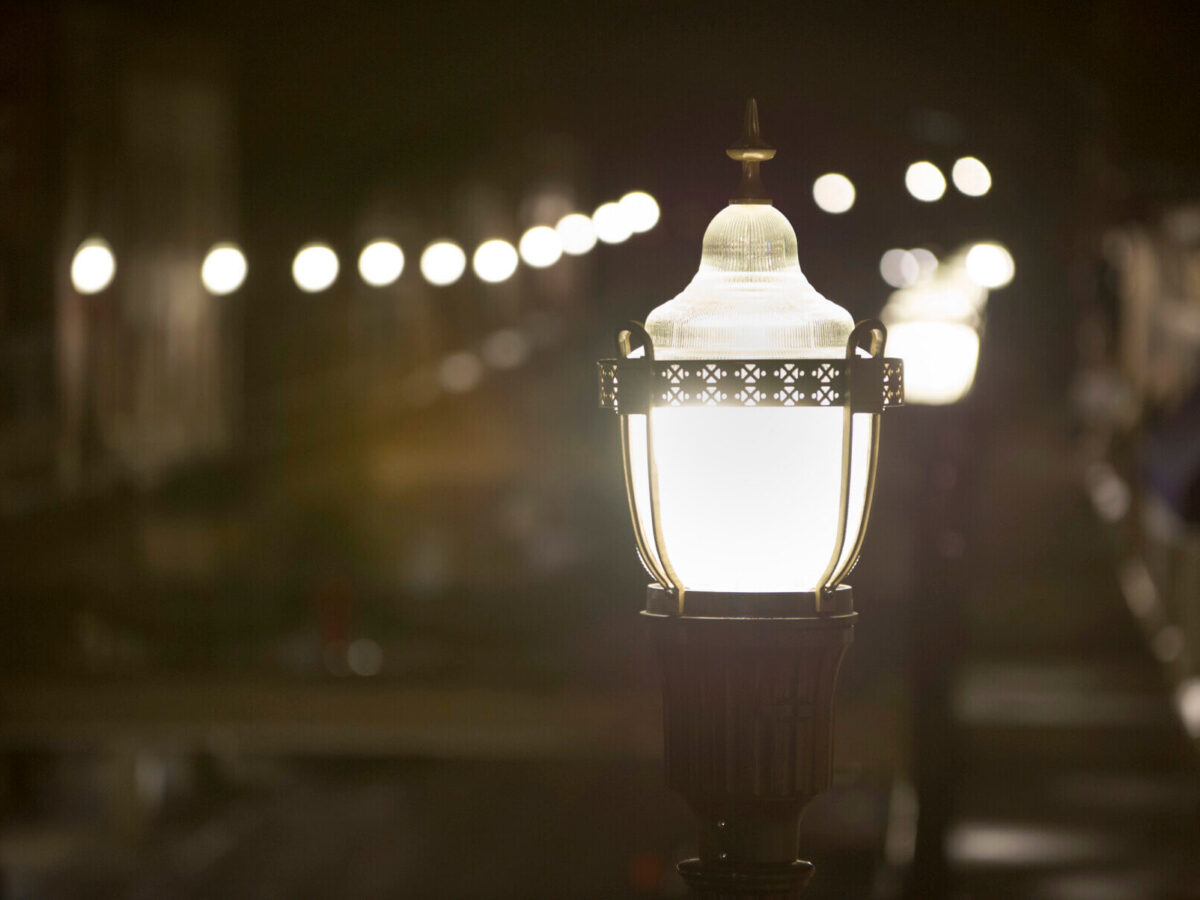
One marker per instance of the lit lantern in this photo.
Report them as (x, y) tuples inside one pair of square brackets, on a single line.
[(749, 408)]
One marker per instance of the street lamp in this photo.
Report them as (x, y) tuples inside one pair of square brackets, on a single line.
[(749, 411)]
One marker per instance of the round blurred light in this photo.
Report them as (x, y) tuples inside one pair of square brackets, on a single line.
[(927, 263), (460, 372), (939, 359), (612, 227), (577, 233), (640, 210), (315, 268), (443, 263), (224, 269), (971, 177), (380, 263), (495, 260), (364, 656), (990, 265), (834, 193), (505, 349), (93, 266), (925, 181), (541, 246), (899, 268)]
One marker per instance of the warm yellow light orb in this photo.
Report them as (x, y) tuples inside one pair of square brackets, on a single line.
[(315, 268), (224, 269), (577, 233), (990, 265), (495, 261), (925, 181), (833, 193), (541, 246), (381, 263), (93, 266), (443, 263)]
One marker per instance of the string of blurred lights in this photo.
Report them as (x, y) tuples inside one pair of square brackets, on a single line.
[(316, 266)]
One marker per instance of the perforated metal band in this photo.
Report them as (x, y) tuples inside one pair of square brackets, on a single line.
[(868, 384)]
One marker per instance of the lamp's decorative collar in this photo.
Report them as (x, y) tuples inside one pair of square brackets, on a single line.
[(750, 150)]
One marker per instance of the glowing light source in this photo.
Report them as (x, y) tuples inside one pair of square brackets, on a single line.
[(640, 211), (495, 260), (833, 193), (899, 268), (315, 268), (541, 246), (971, 177), (380, 263), (940, 359), (990, 265), (925, 181), (93, 266), (443, 263), (612, 225), (577, 233), (224, 269), (707, 497)]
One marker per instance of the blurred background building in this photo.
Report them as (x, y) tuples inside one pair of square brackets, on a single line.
[(313, 548)]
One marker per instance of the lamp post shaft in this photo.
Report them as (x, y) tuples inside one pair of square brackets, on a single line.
[(748, 727)]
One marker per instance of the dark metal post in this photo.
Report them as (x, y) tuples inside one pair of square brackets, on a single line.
[(748, 721)]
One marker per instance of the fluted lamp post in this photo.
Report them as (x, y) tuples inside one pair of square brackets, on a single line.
[(749, 408)]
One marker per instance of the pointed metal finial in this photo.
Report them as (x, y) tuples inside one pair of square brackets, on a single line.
[(750, 150)]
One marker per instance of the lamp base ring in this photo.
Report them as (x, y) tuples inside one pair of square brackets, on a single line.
[(768, 882)]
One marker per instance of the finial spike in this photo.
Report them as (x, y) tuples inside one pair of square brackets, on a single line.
[(750, 150)]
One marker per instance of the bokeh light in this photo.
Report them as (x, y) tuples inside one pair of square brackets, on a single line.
[(971, 177), (315, 268), (224, 269), (925, 181), (990, 265), (93, 266), (640, 211), (899, 268), (834, 193), (505, 349), (940, 359), (927, 263), (380, 263), (541, 246), (612, 226), (495, 261), (460, 372), (577, 233), (443, 263)]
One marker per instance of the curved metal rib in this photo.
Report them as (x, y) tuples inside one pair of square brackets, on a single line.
[(659, 564), (834, 573)]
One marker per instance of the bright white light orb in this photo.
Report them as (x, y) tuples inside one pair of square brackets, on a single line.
[(315, 268), (925, 181), (577, 233), (93, 267), (990, 265), (612, 226), (224, 269), (380, 263), (541, 246), (495, 261), (971, 177), (899, 268), (940, 359), (640, 210), (505, 349), (833, 193), (443, 263)]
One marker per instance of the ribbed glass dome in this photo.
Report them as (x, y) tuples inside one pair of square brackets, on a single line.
[(749, 300)]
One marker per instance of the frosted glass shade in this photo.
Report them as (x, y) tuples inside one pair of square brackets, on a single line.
[(748, 498)]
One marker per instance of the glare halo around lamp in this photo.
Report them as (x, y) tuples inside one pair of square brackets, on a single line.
[(749, 409)]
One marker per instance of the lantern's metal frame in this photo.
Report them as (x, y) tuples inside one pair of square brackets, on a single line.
[(859, 383)]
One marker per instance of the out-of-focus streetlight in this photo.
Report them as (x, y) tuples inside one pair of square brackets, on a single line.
[(93, 266), (749, 408)]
